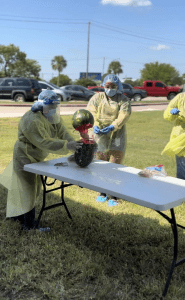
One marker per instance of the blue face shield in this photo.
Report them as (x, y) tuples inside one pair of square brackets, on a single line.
[(52, 113)]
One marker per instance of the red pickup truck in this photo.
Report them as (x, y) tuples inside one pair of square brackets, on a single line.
[(156, 88)]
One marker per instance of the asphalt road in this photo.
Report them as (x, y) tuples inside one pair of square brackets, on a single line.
[(12, 110)]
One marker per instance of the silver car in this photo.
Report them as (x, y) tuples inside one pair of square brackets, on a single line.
[(50, 86), (77, 92)]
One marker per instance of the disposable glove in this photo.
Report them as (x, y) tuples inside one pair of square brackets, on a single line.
[(174, 111), (96, 129), (107, 129), (74, 145)]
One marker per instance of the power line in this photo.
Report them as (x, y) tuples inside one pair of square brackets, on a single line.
[(103, 25), (42, 18), (42, 22), (134, 35), (129, 31)]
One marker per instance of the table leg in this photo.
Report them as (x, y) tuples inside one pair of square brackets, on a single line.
[(174, 263), (45, 191), (175, 252)]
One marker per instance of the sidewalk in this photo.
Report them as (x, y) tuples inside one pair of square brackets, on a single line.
[(83, 105)]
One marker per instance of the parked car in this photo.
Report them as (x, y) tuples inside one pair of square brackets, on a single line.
[(96, 89), (132, 93), (50, 86), (77, 92), (19, 89), (156, 88)]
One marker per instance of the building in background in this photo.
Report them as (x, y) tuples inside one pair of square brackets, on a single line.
[(93, 76)]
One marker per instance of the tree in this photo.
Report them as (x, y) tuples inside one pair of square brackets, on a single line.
[(13, 62), (63, 79), (27, 68), (58, 63), (85, 82), (163, 72), (8, 56), (136, 82), (115, 68), (177, 80)]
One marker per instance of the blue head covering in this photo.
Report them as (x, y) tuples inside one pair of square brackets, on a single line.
[(114, 79), (44, 98), (48, 97)]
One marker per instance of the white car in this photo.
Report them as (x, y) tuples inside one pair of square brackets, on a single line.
[(50, 86)]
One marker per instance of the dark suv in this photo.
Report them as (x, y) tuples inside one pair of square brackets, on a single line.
[(19, 89), (131, 93)]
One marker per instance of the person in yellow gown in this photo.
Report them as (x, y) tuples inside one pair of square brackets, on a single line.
[(40, 132), (111, 110), (175, 148)]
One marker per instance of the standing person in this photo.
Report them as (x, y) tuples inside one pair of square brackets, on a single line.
[(111, 110), (175, 149), (40, 132)]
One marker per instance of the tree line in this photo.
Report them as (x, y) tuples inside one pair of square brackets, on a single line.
[(14, 63)]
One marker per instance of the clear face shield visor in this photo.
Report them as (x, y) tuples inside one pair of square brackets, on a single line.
[(52, 112)]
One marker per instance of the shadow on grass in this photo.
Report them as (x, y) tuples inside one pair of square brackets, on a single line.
[(100, 254)]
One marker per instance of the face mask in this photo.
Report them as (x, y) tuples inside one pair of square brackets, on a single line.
[(110, 92), (52, 115)]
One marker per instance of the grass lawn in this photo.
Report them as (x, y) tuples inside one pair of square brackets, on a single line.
[(104, 253)]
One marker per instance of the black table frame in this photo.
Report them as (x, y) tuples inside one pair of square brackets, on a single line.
[(171, 220)]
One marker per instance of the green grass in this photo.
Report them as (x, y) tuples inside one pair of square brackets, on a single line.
[(115, 253)]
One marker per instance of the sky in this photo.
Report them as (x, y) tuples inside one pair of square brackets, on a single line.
[(134, 32)]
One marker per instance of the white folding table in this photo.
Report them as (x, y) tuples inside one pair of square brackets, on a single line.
[(158, 193)]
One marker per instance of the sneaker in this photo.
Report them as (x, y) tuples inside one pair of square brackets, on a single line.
[(112, 202), (44, 229), (101, 198), (41, 229)]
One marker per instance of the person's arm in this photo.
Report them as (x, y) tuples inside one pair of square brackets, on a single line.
[(38, 136), (62, 132), (93, 108), (173, 104), (123, 115)]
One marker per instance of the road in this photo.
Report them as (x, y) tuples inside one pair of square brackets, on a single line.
[(13, 111)]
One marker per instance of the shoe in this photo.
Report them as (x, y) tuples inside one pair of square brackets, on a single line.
[(112, 202), (44, 229), (41, 229), (101, 198)]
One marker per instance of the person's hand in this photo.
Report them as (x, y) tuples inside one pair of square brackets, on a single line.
[(174, 111), (96, 129), (107, 129), (74, 145)]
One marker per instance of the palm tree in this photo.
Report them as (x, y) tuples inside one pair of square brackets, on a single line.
[(115, 68), (58, 63)]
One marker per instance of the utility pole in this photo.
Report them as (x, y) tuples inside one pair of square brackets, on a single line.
[(88, 49), (103, 65)]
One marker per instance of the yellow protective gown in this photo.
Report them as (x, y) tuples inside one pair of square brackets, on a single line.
[(176, 145), (115, 111), (36, 139)]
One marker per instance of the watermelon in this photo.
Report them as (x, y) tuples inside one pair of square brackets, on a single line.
[(84, 156), (82, 117)]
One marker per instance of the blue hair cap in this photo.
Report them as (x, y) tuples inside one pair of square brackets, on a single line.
[(113, 79)]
